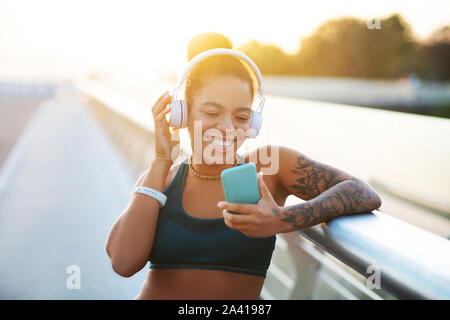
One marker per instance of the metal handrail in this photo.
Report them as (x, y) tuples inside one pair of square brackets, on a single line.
[(413, 263)]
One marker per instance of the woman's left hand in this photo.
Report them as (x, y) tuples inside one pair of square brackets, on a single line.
[(255, 220)]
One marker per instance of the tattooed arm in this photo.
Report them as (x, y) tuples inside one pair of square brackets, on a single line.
[(329, 192)]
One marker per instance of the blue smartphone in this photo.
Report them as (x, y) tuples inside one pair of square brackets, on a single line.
[(240, 184)]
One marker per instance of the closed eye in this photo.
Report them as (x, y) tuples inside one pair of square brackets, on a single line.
[(240, 118)]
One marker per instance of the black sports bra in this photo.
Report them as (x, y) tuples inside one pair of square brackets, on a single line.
[(184, 241)]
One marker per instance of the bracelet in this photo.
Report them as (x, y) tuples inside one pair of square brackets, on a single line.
[(161, 197)]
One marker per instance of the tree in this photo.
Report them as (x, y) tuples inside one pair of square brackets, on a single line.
[(346, 47), (269, 58), (436, 52)]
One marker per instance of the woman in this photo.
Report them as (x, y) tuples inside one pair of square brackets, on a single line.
[(197, 248)]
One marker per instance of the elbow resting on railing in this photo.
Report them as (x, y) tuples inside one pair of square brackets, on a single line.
[(345, 198)]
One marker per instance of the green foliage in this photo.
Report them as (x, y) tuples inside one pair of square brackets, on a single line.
[(346, 47), (436, 55), (270, 59), (442, 110)]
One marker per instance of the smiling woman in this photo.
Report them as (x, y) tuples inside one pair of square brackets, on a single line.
[(196, 248)]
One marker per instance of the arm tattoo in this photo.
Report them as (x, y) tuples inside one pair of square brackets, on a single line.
[(347, 197), (314, 178)]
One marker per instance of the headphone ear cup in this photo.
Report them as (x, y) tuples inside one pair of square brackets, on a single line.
[(256, 122), (178, 114), (175, 115), (184, 114)]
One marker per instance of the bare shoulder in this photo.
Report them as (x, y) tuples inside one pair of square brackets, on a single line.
[(266, 158), (275, 161), (304, 177)]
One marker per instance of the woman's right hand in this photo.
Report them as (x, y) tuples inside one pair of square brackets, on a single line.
[(164, 146)]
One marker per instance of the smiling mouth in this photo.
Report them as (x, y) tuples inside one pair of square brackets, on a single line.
[(220, 144)]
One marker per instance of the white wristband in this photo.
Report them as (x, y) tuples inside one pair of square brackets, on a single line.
[(161, 197)]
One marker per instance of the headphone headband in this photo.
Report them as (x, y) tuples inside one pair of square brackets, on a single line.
[(179, 114), (222, 51)]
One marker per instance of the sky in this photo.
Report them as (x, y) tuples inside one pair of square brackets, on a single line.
[(56, 38)]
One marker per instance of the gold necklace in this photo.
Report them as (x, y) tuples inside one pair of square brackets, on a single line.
[(203, 176)]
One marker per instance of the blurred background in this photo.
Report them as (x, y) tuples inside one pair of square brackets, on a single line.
[(365, 88)]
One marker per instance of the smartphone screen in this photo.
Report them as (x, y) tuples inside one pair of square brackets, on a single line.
[(240, 184)]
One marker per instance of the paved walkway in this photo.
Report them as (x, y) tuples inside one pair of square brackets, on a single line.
[(61, 188), (15, 116)]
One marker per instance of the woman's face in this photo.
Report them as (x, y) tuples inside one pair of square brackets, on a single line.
[(220, 116)]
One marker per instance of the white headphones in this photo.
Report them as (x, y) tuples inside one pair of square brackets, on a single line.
[(179, 111)]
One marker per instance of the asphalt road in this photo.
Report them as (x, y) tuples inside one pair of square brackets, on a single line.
[(62, 186)]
